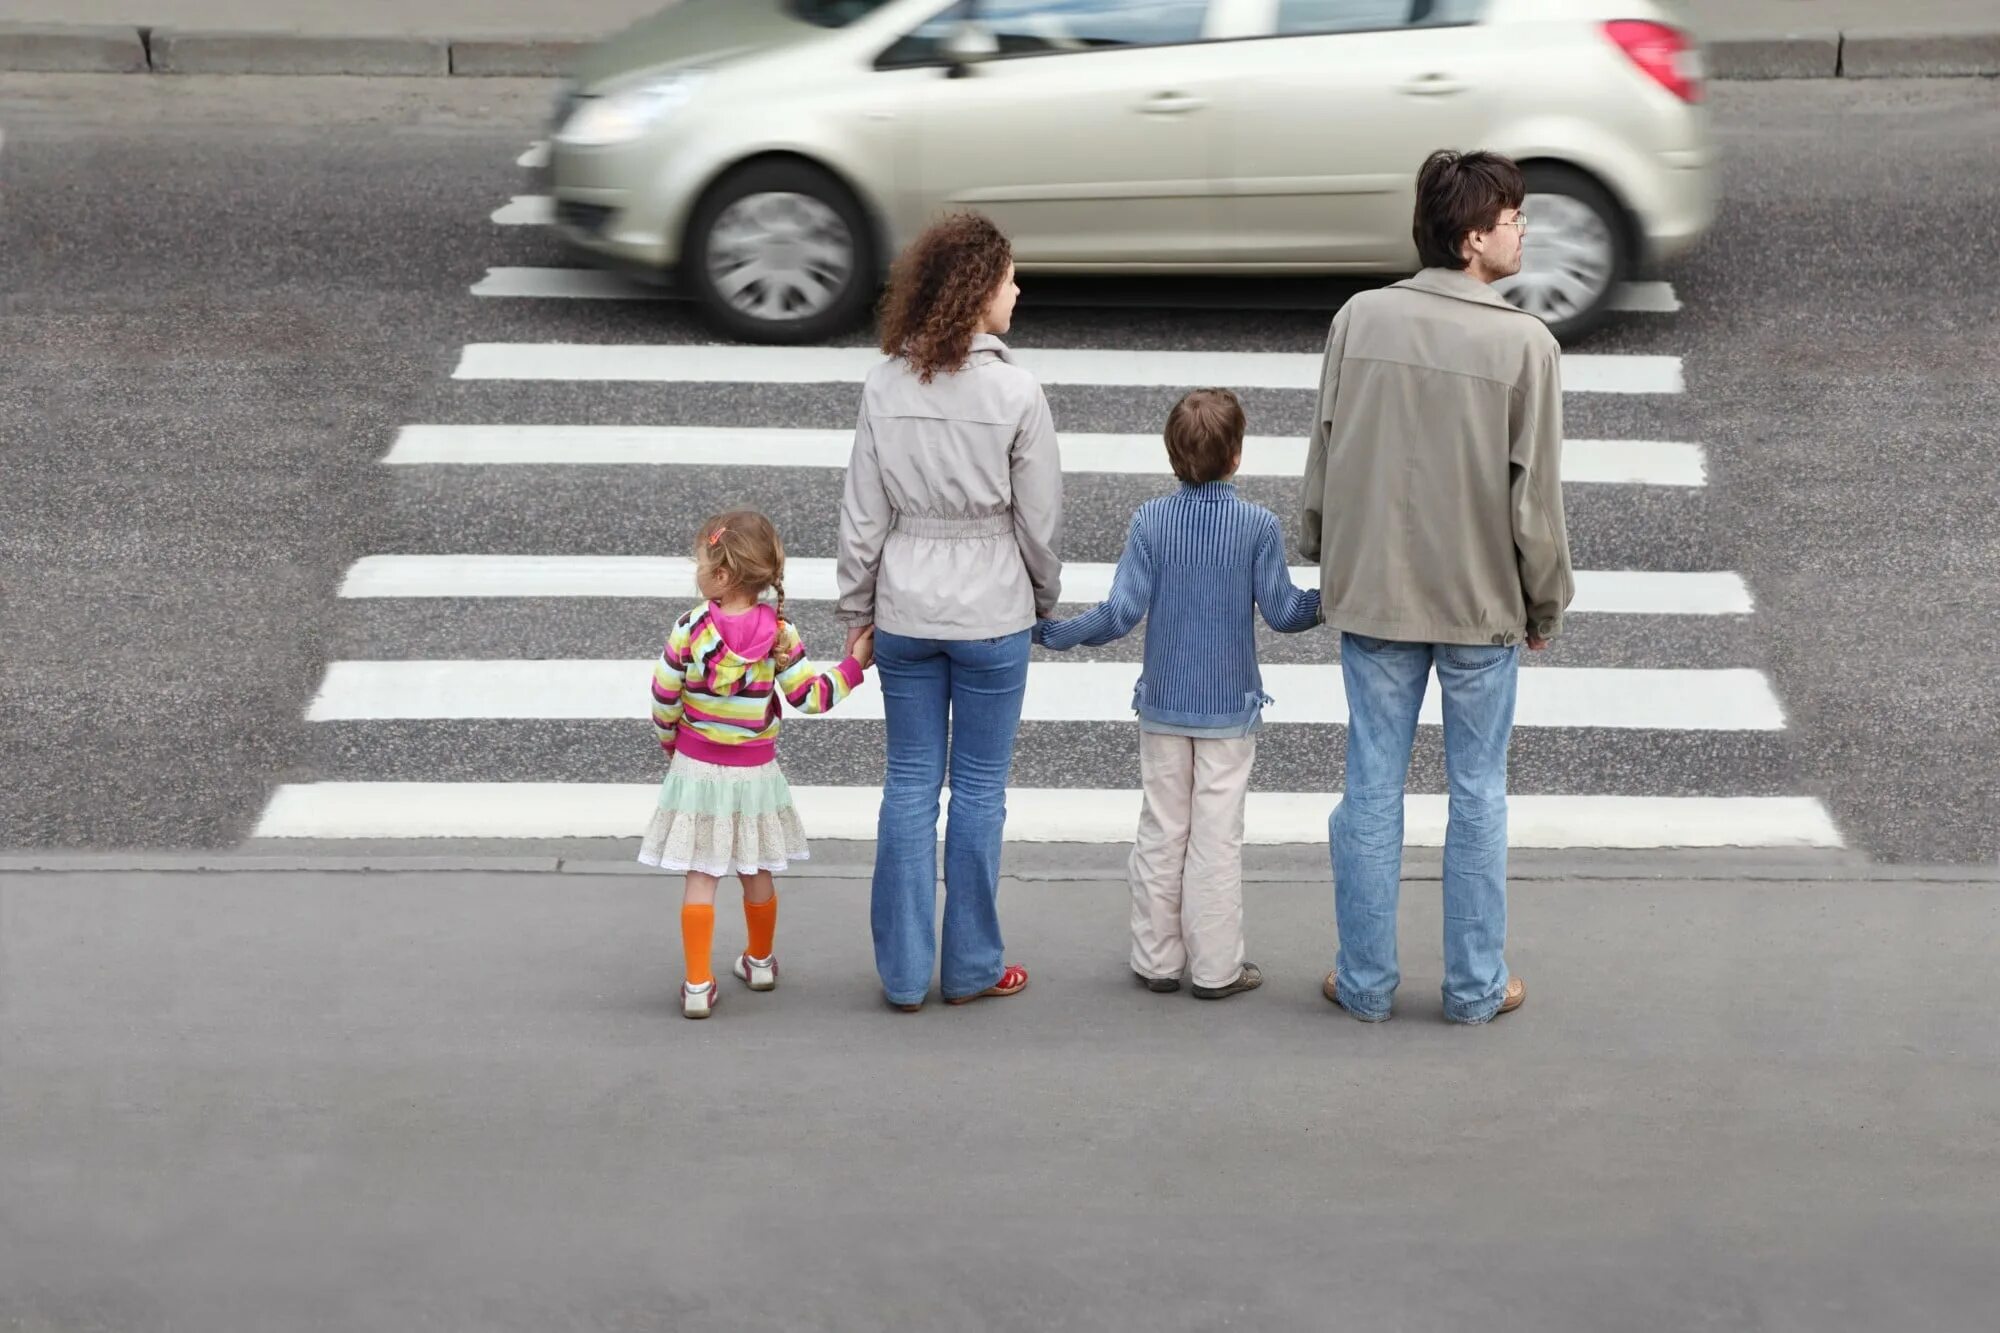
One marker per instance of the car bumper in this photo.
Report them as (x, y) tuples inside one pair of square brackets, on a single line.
[(1683, 205), (605, 210)]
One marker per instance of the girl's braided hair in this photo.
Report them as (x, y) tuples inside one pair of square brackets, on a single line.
[(744, 545)]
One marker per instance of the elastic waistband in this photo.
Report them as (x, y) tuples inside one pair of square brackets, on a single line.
[(955, 529)]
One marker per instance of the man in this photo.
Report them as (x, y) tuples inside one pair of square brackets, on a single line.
[(1433, 502)]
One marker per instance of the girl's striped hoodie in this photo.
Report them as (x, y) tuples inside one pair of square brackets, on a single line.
[(716, 685)]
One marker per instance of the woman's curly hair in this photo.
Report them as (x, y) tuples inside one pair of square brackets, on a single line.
[(938, 290)]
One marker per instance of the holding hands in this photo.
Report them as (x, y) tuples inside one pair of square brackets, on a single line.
[(861, 645)]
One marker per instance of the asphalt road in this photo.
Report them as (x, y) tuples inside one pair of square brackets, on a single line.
[(222, 298), (392, 1102)]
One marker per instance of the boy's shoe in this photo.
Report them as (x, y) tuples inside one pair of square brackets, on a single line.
[(757, 973), (1250, 978), (698, 1001), (1158, 985), (1516, 996)]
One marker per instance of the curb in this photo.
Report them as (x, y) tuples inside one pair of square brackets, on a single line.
[(1584, 868), (66, 49), (71, 50)]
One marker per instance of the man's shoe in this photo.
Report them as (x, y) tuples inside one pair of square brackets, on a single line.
[(1158, 985), (1250, 978), (756, 973), (1331, 989), (1516, 996)]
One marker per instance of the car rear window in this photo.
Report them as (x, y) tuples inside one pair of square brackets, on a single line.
[(1301, 17), (833, 13)]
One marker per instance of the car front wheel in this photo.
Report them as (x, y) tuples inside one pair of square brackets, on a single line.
[(780, 252), (1574, 255)]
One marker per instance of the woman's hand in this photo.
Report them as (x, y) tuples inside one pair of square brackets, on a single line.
[(861, 646)]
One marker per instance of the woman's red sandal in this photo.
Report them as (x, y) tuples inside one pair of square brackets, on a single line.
[(1012, 982)]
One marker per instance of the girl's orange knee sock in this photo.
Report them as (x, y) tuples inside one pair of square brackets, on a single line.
[(697, 939), (762, 918)]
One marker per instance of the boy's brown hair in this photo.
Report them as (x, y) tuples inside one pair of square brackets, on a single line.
[(744, 545), (1205, 436)]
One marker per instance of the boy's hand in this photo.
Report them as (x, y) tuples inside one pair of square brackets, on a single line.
[(861, 646)]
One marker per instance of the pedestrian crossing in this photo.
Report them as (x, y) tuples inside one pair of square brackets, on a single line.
[(432, 743)]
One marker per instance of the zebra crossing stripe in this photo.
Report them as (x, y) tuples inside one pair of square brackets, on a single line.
[(1588, 462), (535, 159), (576, 689), (718, 363), (1598, 592), (526, 210), (590, 284), (513, 810)]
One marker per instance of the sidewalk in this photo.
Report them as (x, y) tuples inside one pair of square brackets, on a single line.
[(382, 1101), (594, 18)]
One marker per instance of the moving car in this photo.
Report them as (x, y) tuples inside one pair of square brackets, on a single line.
[(771, 156)]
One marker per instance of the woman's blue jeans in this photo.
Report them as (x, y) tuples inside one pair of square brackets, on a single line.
[(952, 705)]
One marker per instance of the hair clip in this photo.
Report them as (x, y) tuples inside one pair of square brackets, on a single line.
[(716, 536)]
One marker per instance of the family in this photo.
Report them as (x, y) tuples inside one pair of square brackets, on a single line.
[(1431, 499)]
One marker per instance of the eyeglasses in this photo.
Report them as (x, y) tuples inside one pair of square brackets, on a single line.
[(1519, 222)]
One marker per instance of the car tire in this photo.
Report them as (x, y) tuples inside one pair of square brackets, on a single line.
[(811, 237), (1577, 252)]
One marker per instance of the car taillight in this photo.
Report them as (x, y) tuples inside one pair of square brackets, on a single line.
[(1667, 54)]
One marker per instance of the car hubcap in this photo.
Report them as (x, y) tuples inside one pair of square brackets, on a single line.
[(780, 256), (1568, 258)]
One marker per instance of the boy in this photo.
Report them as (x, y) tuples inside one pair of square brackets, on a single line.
[(1196, 565)]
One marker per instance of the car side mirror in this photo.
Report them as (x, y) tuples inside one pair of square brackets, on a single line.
[(966, 45)]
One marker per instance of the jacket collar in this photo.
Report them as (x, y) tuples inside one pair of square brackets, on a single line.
[(986, 342), (1460, 286)]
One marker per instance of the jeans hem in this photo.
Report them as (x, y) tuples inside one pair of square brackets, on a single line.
[(1366, 1006), (977, 990), (1470, 1018)]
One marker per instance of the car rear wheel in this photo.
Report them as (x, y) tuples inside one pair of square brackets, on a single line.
[(780, 252), (1575, 253)]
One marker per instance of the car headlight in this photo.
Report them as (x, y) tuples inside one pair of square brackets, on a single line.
[(622, 116)]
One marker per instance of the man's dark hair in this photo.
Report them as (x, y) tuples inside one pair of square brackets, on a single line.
[(1205, 435), (1459, 193)]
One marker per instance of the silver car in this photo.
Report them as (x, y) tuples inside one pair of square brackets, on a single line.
[(772, 155)]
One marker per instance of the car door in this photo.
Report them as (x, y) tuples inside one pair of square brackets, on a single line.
[(1090, 136), (1332, 115)]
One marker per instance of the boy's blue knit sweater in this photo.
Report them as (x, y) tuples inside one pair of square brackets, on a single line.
[(1197, 565)]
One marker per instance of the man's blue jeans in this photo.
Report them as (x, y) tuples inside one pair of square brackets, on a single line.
[(944, 697), (1385, 689)]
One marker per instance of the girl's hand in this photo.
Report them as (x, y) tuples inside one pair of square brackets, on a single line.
[(861, 647)]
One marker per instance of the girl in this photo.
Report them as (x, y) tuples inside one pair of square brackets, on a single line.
[(724, 806)]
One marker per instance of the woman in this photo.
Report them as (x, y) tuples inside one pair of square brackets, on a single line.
[(947, 537)]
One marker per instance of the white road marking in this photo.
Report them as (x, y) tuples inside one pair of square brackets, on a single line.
[(1645, 298), (526, 210), (1617, 591), (719, 363), (575, 688), (1619, 462), (588, 284), (620, 810), (536, 157)]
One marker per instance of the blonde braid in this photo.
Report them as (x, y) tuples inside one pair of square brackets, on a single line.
[(778, 586)]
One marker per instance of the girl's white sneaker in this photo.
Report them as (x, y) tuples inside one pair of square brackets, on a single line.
[(757, 973), (697, 1001)]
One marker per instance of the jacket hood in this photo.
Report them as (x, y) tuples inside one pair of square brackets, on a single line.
[(738, 647)]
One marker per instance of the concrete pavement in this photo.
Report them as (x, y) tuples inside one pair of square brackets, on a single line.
[(259, 1101)]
